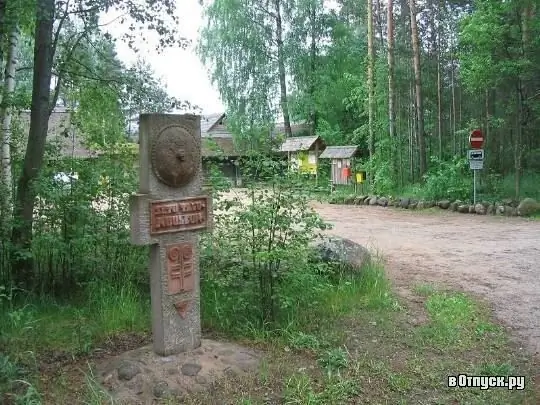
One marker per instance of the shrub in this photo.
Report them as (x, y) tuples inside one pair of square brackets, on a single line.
[(255, 263)]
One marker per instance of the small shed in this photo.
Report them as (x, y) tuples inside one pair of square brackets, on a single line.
[(303, 153), (341, 171)]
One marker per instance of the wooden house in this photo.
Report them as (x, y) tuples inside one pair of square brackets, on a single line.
[(342, 163), (303, 153)]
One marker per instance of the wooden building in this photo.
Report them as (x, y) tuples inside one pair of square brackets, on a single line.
[(303, 153), (342, 162)]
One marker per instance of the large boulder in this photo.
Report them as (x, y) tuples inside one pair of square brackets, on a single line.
[(341, 250), (527, 207)]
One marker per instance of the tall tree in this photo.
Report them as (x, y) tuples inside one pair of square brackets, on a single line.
[(6, 182), (39, 123), (391, 82), (371, 85), (420, 132)]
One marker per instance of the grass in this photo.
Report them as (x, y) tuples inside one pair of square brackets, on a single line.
[(359, 345)]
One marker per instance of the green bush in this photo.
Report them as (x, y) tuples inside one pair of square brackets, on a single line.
[(448, 179), (256, 267)]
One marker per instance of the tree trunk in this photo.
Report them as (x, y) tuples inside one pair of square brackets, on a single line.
[(6, 182), (391, 87), (418, 87), (3, 4), (453, 106), (313, 60), (281, 67), (35, 149), (439, 85), (371, 87)]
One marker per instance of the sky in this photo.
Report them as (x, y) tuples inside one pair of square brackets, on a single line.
[(185, 76)]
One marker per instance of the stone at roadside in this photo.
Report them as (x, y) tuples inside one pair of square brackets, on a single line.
[(373, 200), (510, 211), (404, 202), (510, 202), (463, 208), (413, 204), (444, 204), (500, 209), (359, 200), (490, 209), (528, 206), (349, 199), (382, 201), (421, 205), (471, 209), (340, 250), (429, 204), (480, 209)]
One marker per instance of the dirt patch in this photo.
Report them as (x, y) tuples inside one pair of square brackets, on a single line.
[(493, 257)]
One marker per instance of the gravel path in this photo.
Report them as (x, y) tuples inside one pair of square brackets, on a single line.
[(496, 258)]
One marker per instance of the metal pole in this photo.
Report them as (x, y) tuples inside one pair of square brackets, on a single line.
[(474, 187)]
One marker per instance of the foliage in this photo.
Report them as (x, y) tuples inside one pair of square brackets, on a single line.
[(268, 265), (448, 179)]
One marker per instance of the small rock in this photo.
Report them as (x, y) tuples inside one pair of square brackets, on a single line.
[(500, 210), (191, 369), (490, 209), (421, 205), (471, 209), (463, 208), (527, 207), (429, 204), (510, 202), (404, 202), (510, 211), (453, 206), (444, 204), (383, 201), (480, 209), (413, 204), (359, 200), (349, 199), (373, 201), (161, 390), (128, 370)]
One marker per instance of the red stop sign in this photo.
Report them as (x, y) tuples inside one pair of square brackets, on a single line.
[(476, 139)]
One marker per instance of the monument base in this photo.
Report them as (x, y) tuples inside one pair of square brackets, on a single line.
[(140, 376)]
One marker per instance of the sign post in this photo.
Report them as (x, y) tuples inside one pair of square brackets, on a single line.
[(476, 156)]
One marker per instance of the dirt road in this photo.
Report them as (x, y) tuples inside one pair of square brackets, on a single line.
[(494, 257)]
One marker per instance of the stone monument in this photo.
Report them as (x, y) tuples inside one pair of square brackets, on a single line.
[(167, 213)]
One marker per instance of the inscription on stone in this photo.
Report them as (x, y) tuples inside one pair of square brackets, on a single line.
[(180, 267), (179, 215)]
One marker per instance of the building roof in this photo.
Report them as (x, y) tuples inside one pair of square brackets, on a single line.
[(340, 152), (299, 143), (209, 121), (60, 131)]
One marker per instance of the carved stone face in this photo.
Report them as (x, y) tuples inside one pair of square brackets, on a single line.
[(175, 156)]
